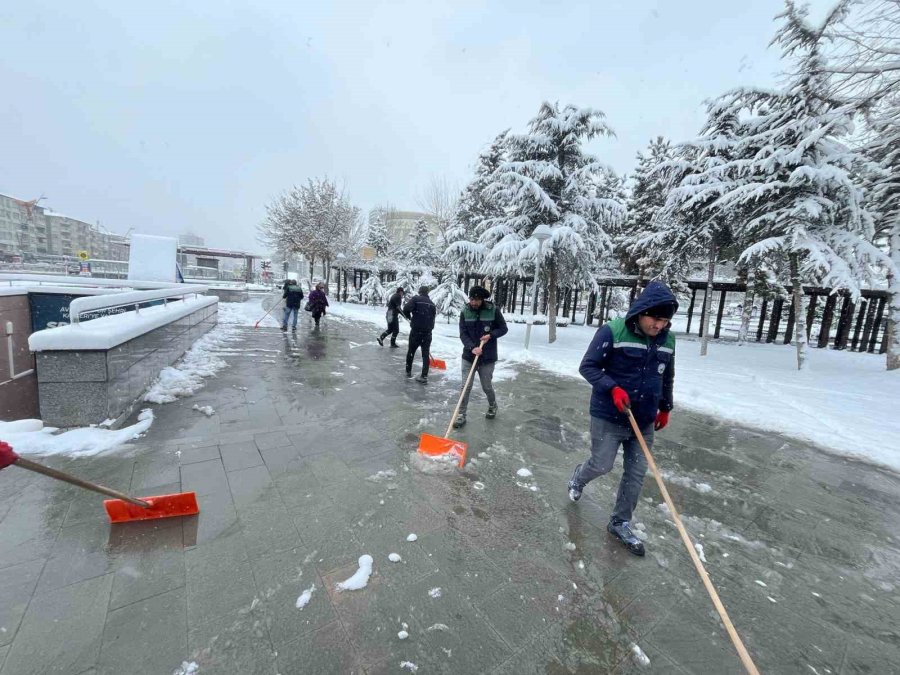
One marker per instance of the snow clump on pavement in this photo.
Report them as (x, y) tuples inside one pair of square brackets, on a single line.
[(361, 578)]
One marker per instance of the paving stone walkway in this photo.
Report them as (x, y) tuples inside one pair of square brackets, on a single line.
[(804, 547)]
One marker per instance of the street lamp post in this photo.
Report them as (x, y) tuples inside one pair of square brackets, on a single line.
[(541, 234)]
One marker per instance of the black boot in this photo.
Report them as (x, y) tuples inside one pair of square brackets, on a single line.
[(394, 345), (422, 379), (622, 532), (491, 411), (380, 340), (460, 421)]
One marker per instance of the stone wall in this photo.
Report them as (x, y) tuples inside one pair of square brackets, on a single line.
[(82, 387), (18, 395)]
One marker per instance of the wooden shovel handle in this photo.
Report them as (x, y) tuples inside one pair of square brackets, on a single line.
[(701, 570), (459, 402), (68, 478)]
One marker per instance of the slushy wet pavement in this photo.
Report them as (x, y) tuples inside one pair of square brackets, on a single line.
[(309, 463)]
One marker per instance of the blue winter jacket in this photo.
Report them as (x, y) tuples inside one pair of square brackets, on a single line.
[(621, 355)]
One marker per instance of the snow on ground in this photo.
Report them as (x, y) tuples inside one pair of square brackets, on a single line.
[(360, 578), (187, 669), (31, 437), (199, 362), (205, 409), (843, 402), (394, 557)]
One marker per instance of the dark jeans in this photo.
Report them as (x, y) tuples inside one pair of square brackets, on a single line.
[(485, 375), (393, 329), (606, 437), (419, 338), (316, 316)]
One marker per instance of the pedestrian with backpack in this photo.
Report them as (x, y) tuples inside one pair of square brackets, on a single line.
[(292, 295), (420, 312)]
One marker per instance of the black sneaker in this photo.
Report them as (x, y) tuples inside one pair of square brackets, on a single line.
[(575, 488), (491, 412), (422, 379), (460, 421), (394, 345), (380, 340), (409, 373), (622, 532), (284, 329)]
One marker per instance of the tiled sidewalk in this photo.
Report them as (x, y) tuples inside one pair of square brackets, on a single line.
[(803, 547)]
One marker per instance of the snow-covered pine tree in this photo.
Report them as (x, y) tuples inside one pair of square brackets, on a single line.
[(421, 253), (650, 185), (791, 177), (372, 291), (448, 297), (407, 279), (473, 210), (377, 236), (548, 180)]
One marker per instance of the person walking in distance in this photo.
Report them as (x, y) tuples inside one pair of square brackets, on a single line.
[(630, 363), (395, 306), (480, 326), (420, 312), (317, 303), (292, 296)]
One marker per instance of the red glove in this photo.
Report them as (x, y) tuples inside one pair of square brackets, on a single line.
[(620, 398), (662, 419), (7, 456)]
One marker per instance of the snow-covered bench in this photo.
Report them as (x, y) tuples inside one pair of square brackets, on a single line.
[(96, 370)]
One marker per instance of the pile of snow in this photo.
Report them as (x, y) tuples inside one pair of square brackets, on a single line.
[(205, 409), (524, 473), (394, 557), (31, 437), (639, 656), (434, 464), (187, 668), (360, 579), (186, 377), (435, 592), (409, 665), (412, 537), (305, 597)]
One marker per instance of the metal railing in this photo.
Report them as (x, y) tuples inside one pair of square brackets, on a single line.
[(93, 303), (40, 279)]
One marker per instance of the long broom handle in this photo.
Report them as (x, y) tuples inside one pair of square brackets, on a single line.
[(68, 478), (459, 402), (269, 312), (720, 608)]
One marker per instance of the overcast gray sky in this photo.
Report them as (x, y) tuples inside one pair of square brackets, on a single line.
[(191, 116)]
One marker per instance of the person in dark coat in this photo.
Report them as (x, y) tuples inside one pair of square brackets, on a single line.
[(317, 303), (480, 326), (293, 297), (394, 308), (630, 364), (420, 312)]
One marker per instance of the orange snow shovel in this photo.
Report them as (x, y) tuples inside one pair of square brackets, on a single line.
[(436, 445), (438, 364), (121, 509)]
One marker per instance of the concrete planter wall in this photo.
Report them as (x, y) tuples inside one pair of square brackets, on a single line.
[(81, 387)]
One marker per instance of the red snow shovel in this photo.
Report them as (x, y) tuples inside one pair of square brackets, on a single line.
[(434, 446), (438, 364), (121, 509)]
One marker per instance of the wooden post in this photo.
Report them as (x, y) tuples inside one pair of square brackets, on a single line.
[(691, 310), (524, 289), (867, 326), (722, 296), (775, 321), (604, 304), (827, 318), (860, 318), (591, 306), (811, 314), (789, 330), (873, 340), (846, 318), (762, 318), (574, 305)]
